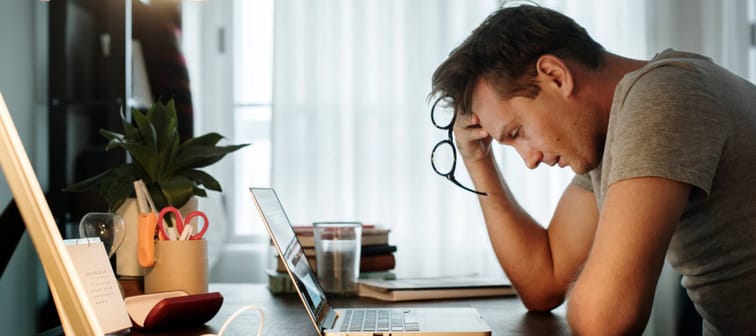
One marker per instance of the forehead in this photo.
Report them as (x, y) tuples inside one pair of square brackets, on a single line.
[(493, 112), (484, 95), (488, 101)]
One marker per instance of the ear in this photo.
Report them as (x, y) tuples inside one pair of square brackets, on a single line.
[(553, 70)]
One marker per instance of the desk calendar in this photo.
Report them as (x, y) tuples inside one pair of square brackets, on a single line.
[(93, 268)]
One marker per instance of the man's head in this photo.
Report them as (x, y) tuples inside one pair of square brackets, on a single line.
[(504, 49), (517, 73)]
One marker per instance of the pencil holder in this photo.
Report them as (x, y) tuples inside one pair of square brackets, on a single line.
[(179, 265)]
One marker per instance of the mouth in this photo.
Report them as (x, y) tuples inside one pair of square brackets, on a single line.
[(550, 162)]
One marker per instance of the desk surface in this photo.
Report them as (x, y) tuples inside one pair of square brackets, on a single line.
[(285, 315)]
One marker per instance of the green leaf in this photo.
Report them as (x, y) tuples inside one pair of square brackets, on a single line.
[(177, 190), (166, 123), (129, 131), (157, 196), (201, 156), (87, 184), (168, 156), (114, 185), (209, 139), (111, 135), (116, 194), (202, 178), (148, 133), (199, 192), (143, 155)]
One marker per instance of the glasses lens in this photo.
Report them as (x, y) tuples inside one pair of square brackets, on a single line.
[(443, 114), (443, 158)]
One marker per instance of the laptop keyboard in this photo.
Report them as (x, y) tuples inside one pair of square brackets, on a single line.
[(379, 320)]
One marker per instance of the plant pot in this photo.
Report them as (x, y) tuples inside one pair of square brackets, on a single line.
[(127, 263)]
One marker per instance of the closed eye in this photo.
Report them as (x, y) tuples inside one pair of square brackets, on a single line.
[(514, 133)]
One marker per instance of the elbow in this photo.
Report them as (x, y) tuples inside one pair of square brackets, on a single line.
[(591, 318), (542, 302)]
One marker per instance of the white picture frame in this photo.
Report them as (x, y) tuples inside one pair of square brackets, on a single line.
[(74, 309)]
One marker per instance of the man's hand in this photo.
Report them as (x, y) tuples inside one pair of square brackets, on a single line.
[(473, 142)]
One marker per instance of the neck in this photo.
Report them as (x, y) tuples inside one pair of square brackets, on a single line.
[(604, 81), (613, 69)]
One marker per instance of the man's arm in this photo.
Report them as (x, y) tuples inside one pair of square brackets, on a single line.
[(541, 263), (614, 293)]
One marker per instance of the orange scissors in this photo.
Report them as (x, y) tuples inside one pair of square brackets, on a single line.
[(182, 224)]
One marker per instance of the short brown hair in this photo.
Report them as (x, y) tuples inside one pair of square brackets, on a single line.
[(504, 49)]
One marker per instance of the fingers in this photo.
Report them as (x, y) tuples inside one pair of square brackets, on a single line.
[(467, 128), (473, 142)]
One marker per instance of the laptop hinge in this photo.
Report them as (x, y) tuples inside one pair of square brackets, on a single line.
[(329, 321)]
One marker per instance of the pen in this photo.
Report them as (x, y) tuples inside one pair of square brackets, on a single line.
[(172, 233), (188, 229)]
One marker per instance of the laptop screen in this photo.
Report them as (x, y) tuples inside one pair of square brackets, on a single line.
[(288, 246)]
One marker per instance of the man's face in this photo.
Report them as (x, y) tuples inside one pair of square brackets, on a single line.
[(548, 128)]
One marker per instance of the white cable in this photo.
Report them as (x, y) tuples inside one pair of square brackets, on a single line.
[(236, 314)]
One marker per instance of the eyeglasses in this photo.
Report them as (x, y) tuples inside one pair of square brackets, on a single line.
[(444, 155)]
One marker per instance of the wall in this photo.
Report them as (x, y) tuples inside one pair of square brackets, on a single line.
[(716, 29), (23, 85)]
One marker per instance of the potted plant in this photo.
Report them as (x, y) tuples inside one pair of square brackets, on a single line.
[(171, 170)]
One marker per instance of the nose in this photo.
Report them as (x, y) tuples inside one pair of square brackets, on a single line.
[(531, 156)]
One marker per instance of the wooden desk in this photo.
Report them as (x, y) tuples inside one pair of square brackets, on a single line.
[(285, 314)]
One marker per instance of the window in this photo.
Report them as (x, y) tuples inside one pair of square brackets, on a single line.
[(252, 87), (228, 47)]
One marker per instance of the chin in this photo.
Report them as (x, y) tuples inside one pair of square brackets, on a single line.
[(577, 170), (583, 168), (583, 164)]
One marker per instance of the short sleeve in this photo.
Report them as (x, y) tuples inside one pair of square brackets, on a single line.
[(669, 125)]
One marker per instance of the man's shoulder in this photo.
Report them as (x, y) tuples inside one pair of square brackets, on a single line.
[(667, 66)]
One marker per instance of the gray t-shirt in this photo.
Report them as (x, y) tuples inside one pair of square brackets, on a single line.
[(684, 118)]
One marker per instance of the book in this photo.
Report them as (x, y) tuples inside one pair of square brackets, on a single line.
[(308, 229), (377, 262), (371, 235), (434, 288), (368, 263), (384, 275), (365, 250), (280, 283), (377, 249)]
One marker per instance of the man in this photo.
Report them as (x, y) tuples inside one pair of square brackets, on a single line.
[(664, 151)]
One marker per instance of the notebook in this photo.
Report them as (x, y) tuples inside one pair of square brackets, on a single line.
[(329, 320)]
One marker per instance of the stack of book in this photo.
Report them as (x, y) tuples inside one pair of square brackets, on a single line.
[(377, 259)]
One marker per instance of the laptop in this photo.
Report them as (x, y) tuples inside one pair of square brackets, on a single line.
[(329, 320)]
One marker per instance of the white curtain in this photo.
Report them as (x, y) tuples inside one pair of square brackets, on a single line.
[(351, 129)]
